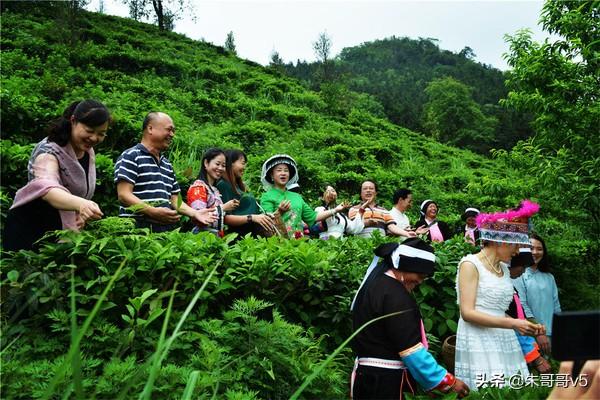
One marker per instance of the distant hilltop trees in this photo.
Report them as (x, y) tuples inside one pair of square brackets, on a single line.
[(397, 73)]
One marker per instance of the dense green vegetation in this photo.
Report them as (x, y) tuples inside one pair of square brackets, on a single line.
[(559, 84), (218, 99), (237, 343), (231, 344), (397, 72)]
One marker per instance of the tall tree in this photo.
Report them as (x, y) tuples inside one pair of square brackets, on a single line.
[(138, 9), (452, 116), (322, 47), (558, 82), (165, 12), (276, 62), (276, 59), (73, 9), (230, 43), (467, 53), (164, 18)]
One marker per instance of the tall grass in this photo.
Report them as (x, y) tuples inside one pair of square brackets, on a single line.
[(146, 365), (190, 386), (76, 361), (337, 351), (163, 347), (76, 338), (154, 362)]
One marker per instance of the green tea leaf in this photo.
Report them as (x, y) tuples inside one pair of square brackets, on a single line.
[(13, 275)]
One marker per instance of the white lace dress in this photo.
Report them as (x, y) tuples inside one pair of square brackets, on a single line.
[(488, 354)]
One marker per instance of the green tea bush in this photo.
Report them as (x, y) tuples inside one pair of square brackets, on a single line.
[(244, 352), (14, 165), (310, 282)]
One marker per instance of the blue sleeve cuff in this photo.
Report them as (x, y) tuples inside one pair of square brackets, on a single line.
[(423, 367), (526, 343)]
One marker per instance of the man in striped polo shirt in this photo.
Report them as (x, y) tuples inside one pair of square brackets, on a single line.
[(375, 218), (145, 178)]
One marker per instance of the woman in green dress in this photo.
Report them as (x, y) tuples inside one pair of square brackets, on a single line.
[(246, 218), (278, 172)]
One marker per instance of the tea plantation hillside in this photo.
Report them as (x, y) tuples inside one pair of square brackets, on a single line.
[(220, 100), (114, 312)]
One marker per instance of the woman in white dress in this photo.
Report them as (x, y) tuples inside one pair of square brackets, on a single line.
[(487, 349)]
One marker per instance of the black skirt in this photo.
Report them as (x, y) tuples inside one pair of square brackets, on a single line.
[(26, 224), (373, 383)]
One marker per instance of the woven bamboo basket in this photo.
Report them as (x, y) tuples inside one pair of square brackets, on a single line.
[(448, 351), (281, 229)]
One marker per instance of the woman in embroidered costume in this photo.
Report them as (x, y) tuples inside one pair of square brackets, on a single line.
[(486, 345), (437, 231), (204, 194), (61, 178), (392, 355), (278, 173)]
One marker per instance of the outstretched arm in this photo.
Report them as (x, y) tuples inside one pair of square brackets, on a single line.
[(396, 231), (45, 167), (205, 216)]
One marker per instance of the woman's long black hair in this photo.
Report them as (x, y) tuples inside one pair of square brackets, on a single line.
[(231, 156), (544, 264)]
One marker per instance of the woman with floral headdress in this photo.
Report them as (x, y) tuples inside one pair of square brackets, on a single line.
[(486, 346), (278, 173)]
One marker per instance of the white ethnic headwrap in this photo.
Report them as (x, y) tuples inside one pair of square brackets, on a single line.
[(408, 251), (273, 161), (401, 250)]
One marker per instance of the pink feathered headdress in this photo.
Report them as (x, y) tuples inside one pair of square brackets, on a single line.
[(511, 226), (525, 210)]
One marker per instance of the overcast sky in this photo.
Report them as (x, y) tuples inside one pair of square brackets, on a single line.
[(290, 27)]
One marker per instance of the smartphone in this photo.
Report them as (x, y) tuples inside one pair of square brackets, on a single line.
[(576, 337)]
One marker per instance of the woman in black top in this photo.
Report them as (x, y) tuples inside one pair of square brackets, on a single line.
[(438, 231)]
